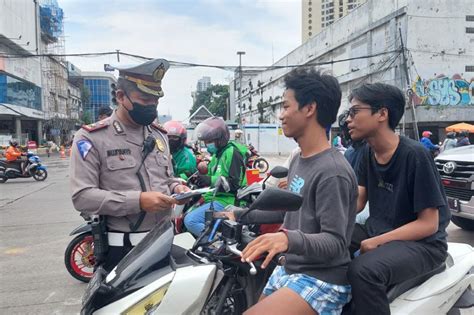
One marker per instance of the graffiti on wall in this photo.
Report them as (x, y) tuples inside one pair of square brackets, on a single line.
[(443, 91)]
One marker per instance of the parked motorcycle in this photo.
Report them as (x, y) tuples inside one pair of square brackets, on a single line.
[(79, 255), (33, 167), (205, 275), (255, 161)]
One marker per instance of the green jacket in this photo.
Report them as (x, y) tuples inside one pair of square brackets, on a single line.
[(230, 163), (184, 163)]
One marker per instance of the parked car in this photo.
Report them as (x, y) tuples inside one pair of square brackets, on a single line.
[(456, 167)]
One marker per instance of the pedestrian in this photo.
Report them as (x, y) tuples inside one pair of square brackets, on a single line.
[(121, 166), (104, 112), (463, 139), (450, 141), (405, 234)]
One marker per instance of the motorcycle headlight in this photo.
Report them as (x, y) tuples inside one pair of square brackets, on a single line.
[(149, 303)]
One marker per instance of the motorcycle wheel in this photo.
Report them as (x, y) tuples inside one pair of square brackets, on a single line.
[(3, 178), (261, 164), (40, 175), (79, 257), (235, 302)]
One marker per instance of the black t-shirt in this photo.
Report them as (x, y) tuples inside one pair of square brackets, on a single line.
[(400, 189)]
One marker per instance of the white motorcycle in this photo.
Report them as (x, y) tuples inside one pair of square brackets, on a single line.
[(175, 274)]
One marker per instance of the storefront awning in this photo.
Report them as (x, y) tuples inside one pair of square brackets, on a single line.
[(20, 111)]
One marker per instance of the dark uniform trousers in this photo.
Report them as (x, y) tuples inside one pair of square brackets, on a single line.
[(372, 273), (116, 253)]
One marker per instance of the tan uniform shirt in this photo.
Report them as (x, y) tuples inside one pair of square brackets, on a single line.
[(104, 163)]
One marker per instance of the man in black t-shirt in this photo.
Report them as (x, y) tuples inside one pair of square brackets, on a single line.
[(405, 235)]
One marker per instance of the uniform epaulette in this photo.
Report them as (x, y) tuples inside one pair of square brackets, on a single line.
[(159, 127), (97, 125)]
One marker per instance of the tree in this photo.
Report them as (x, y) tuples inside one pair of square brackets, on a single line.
[(214, 98)]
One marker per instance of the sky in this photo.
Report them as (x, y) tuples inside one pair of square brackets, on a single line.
[(196, 31)]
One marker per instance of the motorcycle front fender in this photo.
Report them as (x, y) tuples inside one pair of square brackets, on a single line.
[(85, 227)]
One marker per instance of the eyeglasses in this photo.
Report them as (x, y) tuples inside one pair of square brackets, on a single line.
[(352, 112)]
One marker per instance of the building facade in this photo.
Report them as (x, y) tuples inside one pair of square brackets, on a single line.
[(21, 106), (400, 43), (98, 85), (318, 14)]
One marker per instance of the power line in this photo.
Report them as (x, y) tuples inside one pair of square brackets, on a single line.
[(191, 65)]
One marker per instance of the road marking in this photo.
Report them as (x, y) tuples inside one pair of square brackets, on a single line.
[(49, 296), (15, 251)]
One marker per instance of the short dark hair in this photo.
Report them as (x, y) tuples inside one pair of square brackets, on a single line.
[(380, 95), (105, 110), (311, 86)]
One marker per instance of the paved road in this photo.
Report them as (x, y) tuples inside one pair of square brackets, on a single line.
[(35, 221)]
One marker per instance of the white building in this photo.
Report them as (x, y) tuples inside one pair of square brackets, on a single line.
[(365, 46), (21, 108), (318, 14), (203, 84)]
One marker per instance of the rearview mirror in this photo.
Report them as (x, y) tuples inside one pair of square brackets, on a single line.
[(275, 199), (279, 172)]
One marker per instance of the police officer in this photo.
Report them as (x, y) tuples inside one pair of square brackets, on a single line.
[(111, 173)]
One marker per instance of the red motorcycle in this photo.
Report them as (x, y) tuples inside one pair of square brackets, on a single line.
[(255, 161)]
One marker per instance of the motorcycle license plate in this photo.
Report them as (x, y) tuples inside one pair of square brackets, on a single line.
[(453, 204)]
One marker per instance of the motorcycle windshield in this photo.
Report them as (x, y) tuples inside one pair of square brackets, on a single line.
[(148, 257)]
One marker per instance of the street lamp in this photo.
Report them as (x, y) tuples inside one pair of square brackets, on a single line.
[(240, 53)]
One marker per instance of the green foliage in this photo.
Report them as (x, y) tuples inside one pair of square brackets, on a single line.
[(86, 118), (215, 98), (85, 95)]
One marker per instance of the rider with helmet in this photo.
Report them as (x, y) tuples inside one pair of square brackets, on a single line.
[(184, 161), (13, 155), (463, 139), (426, 141), (227, 160)]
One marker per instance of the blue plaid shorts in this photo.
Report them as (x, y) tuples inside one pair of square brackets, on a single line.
[(325, 298)]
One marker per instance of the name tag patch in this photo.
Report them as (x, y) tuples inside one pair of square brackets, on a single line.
[(118, 152)]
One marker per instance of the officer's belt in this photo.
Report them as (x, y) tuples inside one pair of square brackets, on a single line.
[(117, 239)]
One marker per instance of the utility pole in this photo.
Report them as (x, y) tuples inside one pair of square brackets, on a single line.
[(405, 68), (240, 53)]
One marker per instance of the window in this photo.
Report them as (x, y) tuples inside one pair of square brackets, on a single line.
[(309, 21), (309, 27), (19, 92), (470, 18), (470, 30), (310, 33), (469, 69), (309, 9), (309, 15), (341, 2)]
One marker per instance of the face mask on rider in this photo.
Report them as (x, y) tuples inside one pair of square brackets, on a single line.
[(211, 148), (174, 145), (142, 114)]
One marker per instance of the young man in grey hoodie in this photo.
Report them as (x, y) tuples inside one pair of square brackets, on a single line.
[(315, 239)]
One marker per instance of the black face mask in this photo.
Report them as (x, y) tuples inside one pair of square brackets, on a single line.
[(142, 114), (175, 145)]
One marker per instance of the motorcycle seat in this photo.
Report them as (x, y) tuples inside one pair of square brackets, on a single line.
[(398, 289)]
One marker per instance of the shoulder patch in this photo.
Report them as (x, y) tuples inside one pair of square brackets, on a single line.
[(158, 127), (97, 125), (84, 146)]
